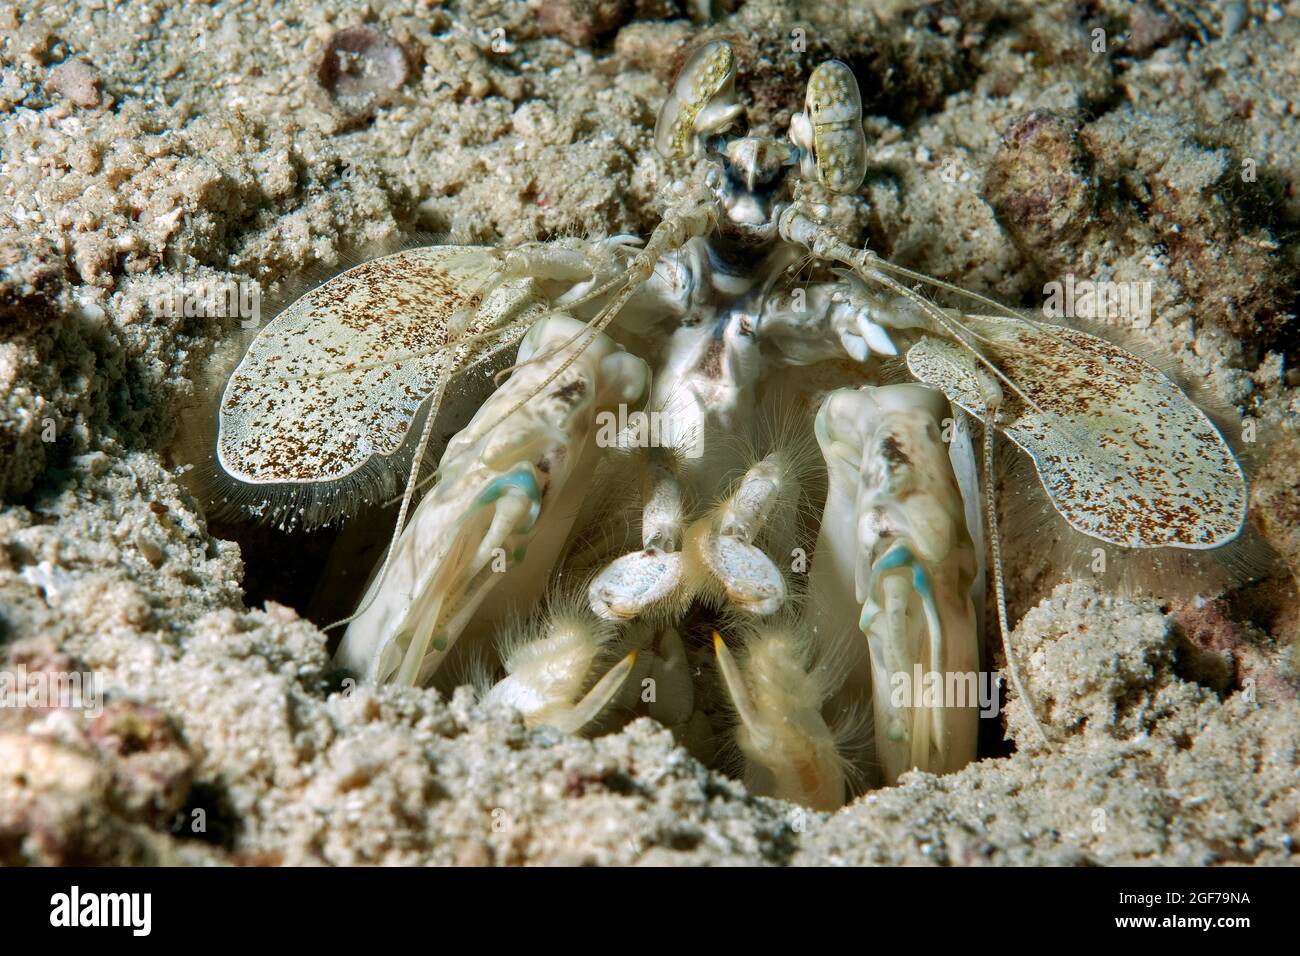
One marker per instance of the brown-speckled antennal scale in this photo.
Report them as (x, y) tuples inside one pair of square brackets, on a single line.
[(1123, 454), (338, 377)]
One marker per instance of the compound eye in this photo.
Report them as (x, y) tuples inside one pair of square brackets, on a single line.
[(702, 102), (829, 131)]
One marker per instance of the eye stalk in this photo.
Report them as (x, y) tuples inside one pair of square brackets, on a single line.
[(832, 146), (702, 102)]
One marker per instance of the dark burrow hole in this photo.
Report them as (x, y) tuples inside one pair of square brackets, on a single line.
[(300, 569), (280, 566), (207, 816)]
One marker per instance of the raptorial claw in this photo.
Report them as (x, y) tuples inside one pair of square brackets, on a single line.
[(790, 751), (742, 572), (546, 672), (633, 584), (901, 642), (501, 509), (907, 562)]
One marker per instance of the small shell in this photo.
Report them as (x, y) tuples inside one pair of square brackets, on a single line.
[(360, 68)]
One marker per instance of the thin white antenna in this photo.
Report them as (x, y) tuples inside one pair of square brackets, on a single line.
[(416, 461), (999, 586)]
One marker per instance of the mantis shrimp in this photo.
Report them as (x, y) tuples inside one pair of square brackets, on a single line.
[(693, 493)]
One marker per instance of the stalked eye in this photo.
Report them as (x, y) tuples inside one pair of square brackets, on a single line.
[(702, 102), (833, 148)]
